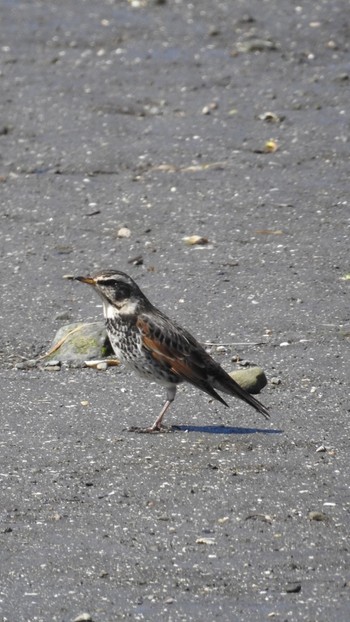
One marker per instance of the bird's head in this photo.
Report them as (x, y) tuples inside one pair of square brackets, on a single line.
[(119, 293)]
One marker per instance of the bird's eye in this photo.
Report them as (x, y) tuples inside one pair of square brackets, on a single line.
[(120, 290)]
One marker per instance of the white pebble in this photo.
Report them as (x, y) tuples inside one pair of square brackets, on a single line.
[(102, 366), (124, 232)]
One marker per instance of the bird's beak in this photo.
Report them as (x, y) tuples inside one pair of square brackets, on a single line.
[(85, 279)]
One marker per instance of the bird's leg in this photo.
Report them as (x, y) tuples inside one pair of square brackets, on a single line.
[(157, 426), (170, 394), (158, 422)]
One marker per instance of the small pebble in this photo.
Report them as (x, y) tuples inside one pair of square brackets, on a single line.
[(255, 45), (26, 364), (104, 574), (123, 232), (214, 31), (272, 117), (284, 344), (275, 380), (252, 379), (191, 240), (209, 108), (74, 364), (65, 315), (342, 77), (293, 588), (102, 366), (83, 617), (321, 448), (208, 541), (136, 261), (317, 516)]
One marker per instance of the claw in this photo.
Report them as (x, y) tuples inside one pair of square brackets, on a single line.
[(152, 430)]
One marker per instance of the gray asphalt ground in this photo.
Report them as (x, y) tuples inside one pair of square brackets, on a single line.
[(154, 117)]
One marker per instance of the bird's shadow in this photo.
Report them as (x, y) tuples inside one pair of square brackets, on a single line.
[(222, 429)]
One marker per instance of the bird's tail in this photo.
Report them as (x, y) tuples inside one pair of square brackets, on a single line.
[(231, 387)]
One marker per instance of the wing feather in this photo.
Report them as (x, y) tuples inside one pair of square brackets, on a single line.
[(179, 351), (173, 346)]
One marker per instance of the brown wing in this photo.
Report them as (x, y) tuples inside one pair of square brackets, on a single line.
[(177, 349)]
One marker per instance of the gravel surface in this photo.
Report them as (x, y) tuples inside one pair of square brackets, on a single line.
[(227, 120)]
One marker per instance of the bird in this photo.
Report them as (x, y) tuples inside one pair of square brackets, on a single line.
[(156, 347)]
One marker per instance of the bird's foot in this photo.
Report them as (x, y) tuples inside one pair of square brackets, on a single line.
[(151, 430)]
